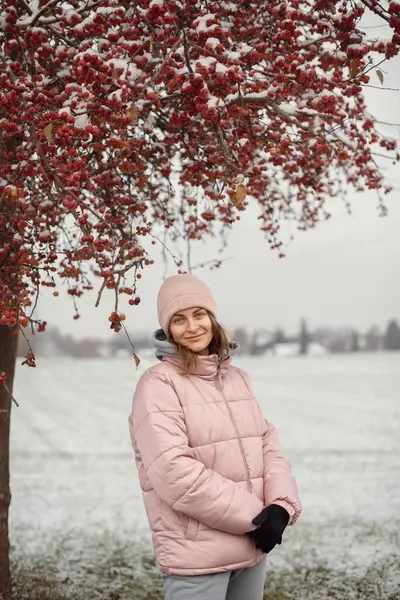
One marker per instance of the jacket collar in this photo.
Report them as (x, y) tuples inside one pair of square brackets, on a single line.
[(207, 367)]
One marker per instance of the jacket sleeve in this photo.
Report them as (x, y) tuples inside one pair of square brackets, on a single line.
[(158, 431), (279, 484)]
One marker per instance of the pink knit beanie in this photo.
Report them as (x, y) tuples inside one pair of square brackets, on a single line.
[(180, 292)]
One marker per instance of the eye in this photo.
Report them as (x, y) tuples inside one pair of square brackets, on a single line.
[(201, 314), (179, 320)]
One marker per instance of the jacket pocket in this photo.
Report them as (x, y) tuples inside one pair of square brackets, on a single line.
[(173, 520), (192, 529)]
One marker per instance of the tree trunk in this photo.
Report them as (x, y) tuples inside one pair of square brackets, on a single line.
[(8, 351)]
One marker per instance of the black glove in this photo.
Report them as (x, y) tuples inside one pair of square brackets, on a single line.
[(271, 522)]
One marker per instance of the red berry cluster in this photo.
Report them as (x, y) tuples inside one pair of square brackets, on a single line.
[(98, 103)]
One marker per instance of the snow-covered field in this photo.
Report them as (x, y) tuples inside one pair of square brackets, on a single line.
[(74, 480)]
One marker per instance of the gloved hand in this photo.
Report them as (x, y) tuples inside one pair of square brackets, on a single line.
[(271, 522)]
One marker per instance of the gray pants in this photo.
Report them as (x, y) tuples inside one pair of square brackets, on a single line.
[(243, 584)]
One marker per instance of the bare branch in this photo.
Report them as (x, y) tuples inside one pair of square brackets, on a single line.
[(42, 12), (376, 8), (26, 7), (103, 285)]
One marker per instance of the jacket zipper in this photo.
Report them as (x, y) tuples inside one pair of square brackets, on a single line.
[(219, 388)]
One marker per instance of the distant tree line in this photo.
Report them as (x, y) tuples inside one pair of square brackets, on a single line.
[(335, 340)]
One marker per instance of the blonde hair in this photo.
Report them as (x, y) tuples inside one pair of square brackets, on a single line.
[(219, 345)]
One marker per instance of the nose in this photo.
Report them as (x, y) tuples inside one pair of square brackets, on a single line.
[(192, 325)]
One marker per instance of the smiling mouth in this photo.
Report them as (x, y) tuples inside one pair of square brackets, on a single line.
[(193, 339)]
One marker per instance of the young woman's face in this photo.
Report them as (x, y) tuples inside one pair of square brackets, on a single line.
[(192, 328)]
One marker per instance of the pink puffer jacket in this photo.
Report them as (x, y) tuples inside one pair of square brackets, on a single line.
[(208, 464)]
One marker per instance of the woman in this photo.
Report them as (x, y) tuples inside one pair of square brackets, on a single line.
[(217, 489)]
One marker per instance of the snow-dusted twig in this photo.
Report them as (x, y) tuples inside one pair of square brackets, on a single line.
[(376, 8)]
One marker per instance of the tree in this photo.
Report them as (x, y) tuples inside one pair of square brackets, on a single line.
[(124, 120), (391, 340), (8, 350), (304, 338), (355, 341), (279, 336), (373, 339)]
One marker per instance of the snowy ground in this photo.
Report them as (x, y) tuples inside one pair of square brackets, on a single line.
[(74, 482)]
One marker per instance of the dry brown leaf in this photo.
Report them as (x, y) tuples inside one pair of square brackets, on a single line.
[(240, 193), (380, 75), (133, 114), (355, 66), (232, 197), (136, 359), (48, 133), (311, 125), (115, 75)]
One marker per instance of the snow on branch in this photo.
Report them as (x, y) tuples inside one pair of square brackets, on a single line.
[(162, 120)]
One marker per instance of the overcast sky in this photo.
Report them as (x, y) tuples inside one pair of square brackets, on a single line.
[(345, 272)]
